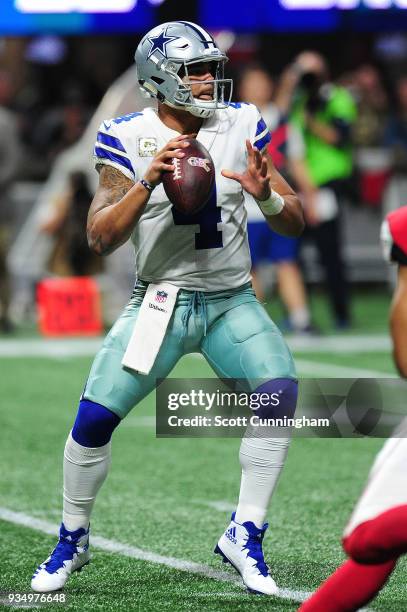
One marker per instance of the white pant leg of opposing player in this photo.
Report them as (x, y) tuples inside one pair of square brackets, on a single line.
[(386, 486)]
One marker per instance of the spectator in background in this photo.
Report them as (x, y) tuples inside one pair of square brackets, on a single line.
[(373, 107), (69, 123), (395, 136), (372, 160), (256, 86), (9, 165), (325, 114), (59, 127), (71, 255)]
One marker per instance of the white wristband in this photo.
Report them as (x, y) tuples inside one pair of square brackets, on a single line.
[(273, 206)]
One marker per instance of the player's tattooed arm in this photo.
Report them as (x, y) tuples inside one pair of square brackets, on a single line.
[(116, 207), (115, 184), (119, 202)]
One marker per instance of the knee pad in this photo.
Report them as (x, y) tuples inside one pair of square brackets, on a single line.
[(281, 402), (94, 424)]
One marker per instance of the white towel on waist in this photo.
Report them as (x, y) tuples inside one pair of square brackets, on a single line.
[(150, 327)]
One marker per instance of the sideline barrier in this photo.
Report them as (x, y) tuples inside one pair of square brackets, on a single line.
[(69, 307)]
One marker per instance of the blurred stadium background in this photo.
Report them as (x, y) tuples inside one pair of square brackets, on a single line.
[(61, 74)]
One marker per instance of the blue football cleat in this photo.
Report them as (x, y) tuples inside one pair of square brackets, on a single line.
[(70, 555), (241, 546)]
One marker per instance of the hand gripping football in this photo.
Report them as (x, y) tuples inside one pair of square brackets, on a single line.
[(189, 186)]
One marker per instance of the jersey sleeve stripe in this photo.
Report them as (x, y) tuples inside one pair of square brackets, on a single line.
[(104, 154), (261, 126), (110, 141), (261, 135), (106, 162), (262, 142), (100, 145)]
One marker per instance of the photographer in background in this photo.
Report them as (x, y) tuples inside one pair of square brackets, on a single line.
[(324, 113)]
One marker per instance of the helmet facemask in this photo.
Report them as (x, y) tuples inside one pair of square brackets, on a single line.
[(221, 90)]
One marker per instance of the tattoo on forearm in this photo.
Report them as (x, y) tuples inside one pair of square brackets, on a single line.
[(115, 184)]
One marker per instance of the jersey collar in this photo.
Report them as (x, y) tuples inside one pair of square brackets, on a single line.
[(205, 136)]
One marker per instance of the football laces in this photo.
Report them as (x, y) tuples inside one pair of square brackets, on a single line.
[(177, 169)]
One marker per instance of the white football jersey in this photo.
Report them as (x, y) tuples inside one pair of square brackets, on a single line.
[(207, 251)]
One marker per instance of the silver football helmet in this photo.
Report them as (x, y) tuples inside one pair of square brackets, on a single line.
[(163, 57)]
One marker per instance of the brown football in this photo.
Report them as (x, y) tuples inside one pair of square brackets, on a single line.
[(189, 186)]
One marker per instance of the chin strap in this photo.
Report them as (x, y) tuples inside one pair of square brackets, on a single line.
[(198, 111)]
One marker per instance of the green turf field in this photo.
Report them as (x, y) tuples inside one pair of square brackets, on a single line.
[(166, 501)]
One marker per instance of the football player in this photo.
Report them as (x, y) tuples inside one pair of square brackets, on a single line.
[(376, 535), (198, 268)]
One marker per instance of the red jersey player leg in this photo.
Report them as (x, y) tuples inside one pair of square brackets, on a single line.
[(376, 535)]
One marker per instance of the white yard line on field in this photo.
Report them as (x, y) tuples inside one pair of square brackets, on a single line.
[(72, 347), (340, 344), (221, 505), (139, 421), (86, 347), (316, 368), (62, 349), (25, 520)]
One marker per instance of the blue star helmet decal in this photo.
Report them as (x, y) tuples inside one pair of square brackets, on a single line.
[(159, 43)]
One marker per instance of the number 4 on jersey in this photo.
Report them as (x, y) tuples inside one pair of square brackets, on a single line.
[(208, 237)]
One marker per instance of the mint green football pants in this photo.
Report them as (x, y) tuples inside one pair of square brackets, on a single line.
[(230, 328)]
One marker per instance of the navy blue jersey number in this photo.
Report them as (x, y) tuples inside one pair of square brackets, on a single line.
[(207, 218)]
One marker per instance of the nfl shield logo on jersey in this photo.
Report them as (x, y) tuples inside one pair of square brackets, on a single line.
[(161, 296)]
